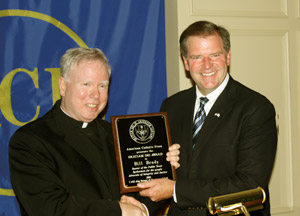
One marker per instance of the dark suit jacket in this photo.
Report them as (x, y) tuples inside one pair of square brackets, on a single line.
[(57, 170), (235, 149)]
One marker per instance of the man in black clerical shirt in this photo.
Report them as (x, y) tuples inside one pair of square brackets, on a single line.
[(63, 164)]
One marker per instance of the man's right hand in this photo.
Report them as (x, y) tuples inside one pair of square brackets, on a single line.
[(132, 208)]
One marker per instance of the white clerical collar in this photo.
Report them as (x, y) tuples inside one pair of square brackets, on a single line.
[(84, 124)]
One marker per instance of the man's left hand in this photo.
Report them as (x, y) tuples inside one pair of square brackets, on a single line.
[(173, 155)]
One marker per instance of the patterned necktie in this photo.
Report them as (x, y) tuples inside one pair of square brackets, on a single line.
[(199, 119)]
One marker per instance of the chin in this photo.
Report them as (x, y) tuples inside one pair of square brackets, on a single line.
[(89, 118)]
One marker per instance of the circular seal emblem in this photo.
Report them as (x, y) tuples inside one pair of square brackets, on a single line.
[(141, 131)]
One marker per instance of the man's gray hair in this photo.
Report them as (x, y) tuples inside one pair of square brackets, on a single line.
[(76, 55)]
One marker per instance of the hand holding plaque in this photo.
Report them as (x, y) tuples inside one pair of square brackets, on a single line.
[(141, 143)]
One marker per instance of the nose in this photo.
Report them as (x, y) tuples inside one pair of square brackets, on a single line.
[(207, 62), (95, 93)]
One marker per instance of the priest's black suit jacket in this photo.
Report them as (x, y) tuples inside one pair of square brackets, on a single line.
[(57, 169), (235, 149)]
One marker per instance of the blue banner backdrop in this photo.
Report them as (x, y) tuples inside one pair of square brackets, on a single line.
[(33, 36)]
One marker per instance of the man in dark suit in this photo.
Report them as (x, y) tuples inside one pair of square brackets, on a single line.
[(64, 163), (234, 148)]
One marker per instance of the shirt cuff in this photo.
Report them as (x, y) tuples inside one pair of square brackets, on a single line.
[(146, 209), (174, 194)]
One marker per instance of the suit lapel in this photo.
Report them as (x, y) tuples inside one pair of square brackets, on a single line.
[(187, 126), (223, 105)]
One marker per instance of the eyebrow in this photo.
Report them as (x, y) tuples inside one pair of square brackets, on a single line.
[(218, 52), (105, 82)]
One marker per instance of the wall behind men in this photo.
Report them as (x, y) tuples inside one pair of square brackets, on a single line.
[(33, 36)]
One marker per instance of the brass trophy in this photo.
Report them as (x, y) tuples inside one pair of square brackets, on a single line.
[(237, 203)]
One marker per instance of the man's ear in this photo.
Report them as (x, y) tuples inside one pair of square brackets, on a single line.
[(228, 58), (62, 86), (186, 63)]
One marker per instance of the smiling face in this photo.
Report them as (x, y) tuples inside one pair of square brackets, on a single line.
[(85, 93), (207, 62)]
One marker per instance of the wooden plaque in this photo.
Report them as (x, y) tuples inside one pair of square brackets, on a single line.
[(141, 142)]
